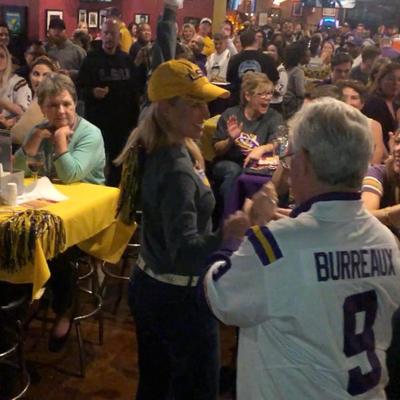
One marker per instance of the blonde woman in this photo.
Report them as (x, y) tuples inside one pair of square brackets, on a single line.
[(177, 341), (15, 94), (188, 33), (244, 133)]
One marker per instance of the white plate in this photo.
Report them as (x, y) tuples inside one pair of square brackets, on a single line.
[(221, 83)]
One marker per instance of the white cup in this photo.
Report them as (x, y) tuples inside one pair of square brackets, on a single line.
[(11, 194)]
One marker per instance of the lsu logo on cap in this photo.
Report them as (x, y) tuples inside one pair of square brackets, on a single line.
[(264, 244), (195, 74)]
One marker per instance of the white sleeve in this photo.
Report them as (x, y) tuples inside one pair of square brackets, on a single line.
[(231, 47), (237, 291), (281, 86), (22, 95)]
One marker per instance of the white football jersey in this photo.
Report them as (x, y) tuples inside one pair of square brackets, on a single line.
[(314, 297)]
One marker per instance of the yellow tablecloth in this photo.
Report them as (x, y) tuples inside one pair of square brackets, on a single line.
[(206, 141), (89, 220)]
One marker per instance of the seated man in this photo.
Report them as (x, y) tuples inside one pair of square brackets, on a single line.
[(340, 68), (314, 294), (244, 133), (73, 151)]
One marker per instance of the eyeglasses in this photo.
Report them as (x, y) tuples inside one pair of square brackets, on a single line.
[(264, 94), (286, 159)]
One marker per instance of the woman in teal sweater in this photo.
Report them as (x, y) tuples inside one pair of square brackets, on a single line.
[(73, 151), (73, 148)]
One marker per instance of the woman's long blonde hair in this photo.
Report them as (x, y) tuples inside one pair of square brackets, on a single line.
[(153, 132), (6, 75)]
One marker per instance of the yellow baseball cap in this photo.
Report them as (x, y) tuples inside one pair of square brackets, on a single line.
[(177, 78)]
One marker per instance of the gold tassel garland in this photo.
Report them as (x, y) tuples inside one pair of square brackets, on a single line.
[(129, 198), (18, 235)]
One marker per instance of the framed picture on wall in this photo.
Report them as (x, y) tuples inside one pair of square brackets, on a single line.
[(192, 20), (15, 18), (82, 15), (142, 18), (93, 19), (275, 14), (297, 9), (52, 14), (103, 15)]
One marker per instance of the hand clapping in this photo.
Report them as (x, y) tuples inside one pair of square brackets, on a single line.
[(233, 127), (263, 206)]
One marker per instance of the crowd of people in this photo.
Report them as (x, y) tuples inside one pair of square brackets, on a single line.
[(127, 109)]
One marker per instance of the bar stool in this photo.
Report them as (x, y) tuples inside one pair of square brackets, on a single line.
[(131, 253), (12, 354), (90, 275), (86, 271)]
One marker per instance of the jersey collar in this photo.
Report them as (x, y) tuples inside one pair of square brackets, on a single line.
[(331, 196)]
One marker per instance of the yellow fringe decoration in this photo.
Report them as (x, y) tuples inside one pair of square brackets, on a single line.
[(18, 235)]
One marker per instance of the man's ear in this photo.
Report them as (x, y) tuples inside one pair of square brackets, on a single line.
[(305, 164)]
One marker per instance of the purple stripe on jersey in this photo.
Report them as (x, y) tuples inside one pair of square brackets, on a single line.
[(259, 249), (373, 181), (271, 240)]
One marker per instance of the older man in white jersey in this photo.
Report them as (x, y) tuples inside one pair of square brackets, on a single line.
[(314, 294)]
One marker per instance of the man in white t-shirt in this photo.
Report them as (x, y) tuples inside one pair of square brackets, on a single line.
[(217, 62), (314, 294)]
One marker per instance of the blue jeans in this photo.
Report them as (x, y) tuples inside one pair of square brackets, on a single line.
[(178, 343)]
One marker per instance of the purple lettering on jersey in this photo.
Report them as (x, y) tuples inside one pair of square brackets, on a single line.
[(355, 263), (389, 261), (356, 343), (334, 266), (321, 265), (375, 263), (345, 263), (364, 273)]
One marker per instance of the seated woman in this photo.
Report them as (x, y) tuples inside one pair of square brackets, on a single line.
[(38, 70), (15, 94), (245, 132), (280, 88), (318, 68), (382, 104), (74, 151), (354, 93), (73, 147), (381, 189), (187, 33)]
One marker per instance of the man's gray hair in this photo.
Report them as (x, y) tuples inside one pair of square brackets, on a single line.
[(53, 85), (337, 138)]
